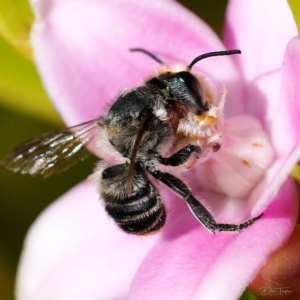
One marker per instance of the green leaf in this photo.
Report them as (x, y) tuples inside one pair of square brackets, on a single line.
[(296, 173), (295, 7), (16, 18), (6, 275), (20, 86), (247, 295)]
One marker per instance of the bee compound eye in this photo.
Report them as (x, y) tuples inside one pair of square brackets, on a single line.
[(195, 88)]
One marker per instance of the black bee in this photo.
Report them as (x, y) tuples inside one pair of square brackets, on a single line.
[(174, 111)]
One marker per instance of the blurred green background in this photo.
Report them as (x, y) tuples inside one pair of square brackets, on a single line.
[(25, 112)]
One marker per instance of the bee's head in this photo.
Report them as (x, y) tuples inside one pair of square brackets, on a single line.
[(186, 89), (183, 85)]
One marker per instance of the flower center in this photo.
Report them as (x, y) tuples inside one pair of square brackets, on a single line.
[(242, 161), (245, 154)]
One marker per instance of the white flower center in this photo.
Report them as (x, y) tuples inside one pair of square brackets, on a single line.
[(242, 161), (245, 154)]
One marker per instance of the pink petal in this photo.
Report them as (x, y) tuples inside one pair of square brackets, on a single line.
[(286, 122), (261, 29), (286, 128), (279, 90), (75, 251), (188, 262), (275, 177), (82, 50)]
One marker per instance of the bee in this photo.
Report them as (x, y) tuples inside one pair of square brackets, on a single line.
[(173, 111)]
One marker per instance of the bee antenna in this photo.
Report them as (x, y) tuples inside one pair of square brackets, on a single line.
[(148, 53), (209, 54)]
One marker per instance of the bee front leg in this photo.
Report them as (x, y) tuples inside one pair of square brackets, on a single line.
[(179, 157), (199, 211)]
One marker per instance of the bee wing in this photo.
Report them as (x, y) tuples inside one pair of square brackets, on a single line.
[(52, 152)]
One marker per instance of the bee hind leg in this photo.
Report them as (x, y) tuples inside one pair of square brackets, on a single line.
[(198, 210)]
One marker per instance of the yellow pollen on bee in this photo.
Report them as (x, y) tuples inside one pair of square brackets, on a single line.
[(206, 120)]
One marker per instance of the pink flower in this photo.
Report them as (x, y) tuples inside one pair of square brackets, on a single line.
[(74, 250)]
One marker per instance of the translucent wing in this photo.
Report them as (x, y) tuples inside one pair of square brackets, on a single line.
[(52, 152)]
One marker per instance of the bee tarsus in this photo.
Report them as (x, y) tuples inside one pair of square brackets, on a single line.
[(198, 210)]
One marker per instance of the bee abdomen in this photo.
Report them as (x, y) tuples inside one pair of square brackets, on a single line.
[(140, 214), (144, 224)]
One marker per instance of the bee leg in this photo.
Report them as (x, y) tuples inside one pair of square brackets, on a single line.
[(199, 211), (179, 157)]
